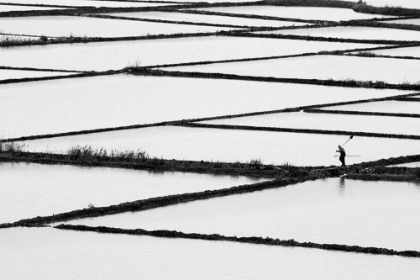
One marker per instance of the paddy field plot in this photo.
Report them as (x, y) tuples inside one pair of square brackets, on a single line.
[(6, 74), (47, 252), (305, 13), (409, 51), (394, 107), (29, 190), (61, 26), (331, 211), (13, 8), (352, 32), (117, 55), (209, 19), (323, 67), (182, 143), (413, 21), (356, 123), (57, 106), (88, 3)]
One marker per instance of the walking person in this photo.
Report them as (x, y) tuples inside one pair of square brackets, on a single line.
[(342, 155)]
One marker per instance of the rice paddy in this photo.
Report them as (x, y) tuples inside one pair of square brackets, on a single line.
[(204, 140)]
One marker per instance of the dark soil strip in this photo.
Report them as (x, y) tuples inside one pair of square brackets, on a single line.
[(400, 115), (295, 130), (330, 82), (152, 203), (367, 54), (248, 240), (408, 99)]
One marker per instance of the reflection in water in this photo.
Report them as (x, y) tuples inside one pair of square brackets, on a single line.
[(342, 185)]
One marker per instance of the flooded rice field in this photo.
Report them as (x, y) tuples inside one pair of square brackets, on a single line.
[(12, 8), (335, 211), (209, 144), (59, 26), (305, 13), (133, 107), (209, 19), (117, 55), (355, 123), (319, 67), (30, 190), (353, 32), (409, 51), (121, 100), (394, 107), (89, 3), (47, 252), (7, 74)]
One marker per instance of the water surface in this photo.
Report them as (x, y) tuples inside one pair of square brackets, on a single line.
[(334, 211), (359, 33), (117, 55), (6, 74), (30, 190), (211, 19), (411, 51), (50, 254), (235, 145), (58, 26), (307, 13), (320, 67), (88, 3), (372, 124), (395, 107), (65, 105)]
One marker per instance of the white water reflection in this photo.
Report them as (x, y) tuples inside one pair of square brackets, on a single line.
[(307, 13), (43, 253), (322, 67), (334, 211), (235, 145), (359, 123), (358, 33), (30, 190), (394, 107), (117, 55), (66, 105), (210, 19), (57, 26)]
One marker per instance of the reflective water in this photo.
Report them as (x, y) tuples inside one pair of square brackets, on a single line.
[(307, 13), (360, 33), (320, 67), (20, 74), (50, 254), (334, 211), (235, 145), (372, 124), (30, 190), (58, 26), (10, 8), (87, 3), (66, 105), (382, 107), (207, 19), (412, 51), (117, 55)]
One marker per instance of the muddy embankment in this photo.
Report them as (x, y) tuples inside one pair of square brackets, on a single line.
[(249, 240)]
